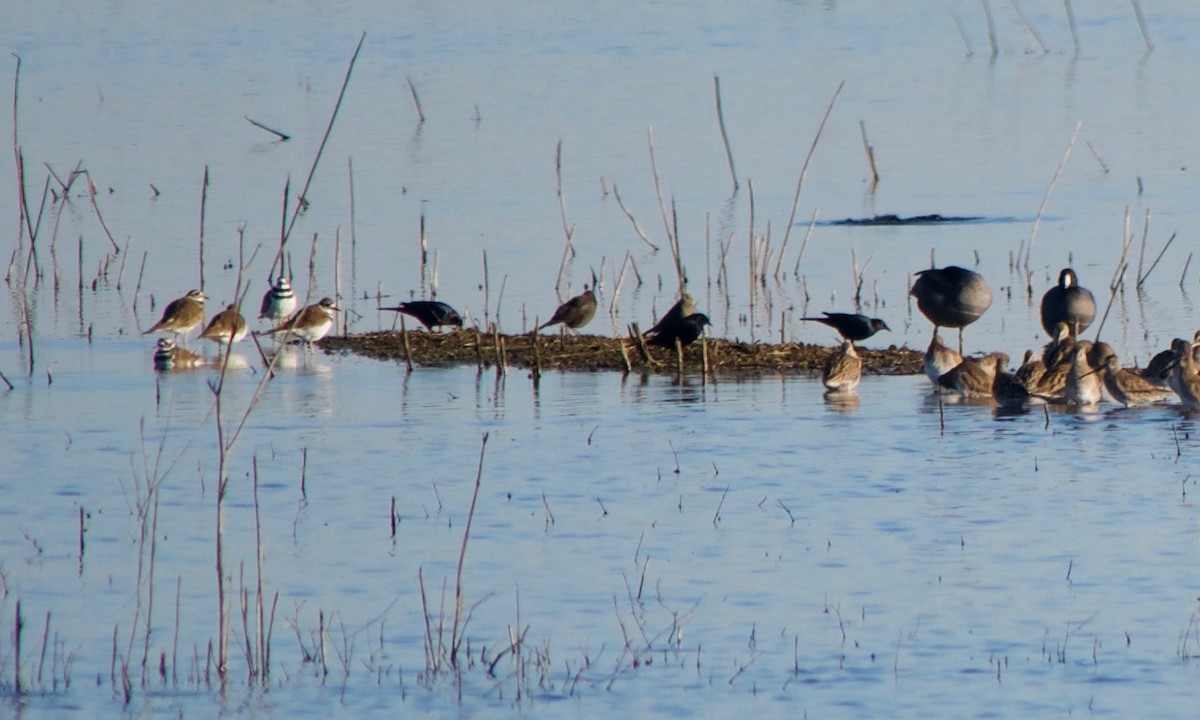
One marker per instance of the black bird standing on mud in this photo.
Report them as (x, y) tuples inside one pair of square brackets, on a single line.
[(851, 326), (673, 317), (686, 331), (431, 313), (1068, 303), (574, 313)]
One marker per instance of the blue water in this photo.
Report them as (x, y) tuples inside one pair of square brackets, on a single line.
[(662, 549)]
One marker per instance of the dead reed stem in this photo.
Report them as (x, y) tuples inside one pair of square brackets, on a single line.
[(486, 292), (424, 245), (353, 227), (1037, 220), (1096, 155), (675, 249), (807, 159), (175, 640), (455, 637), (636, 227), (1029, 26), (1142, 249), (812, 224), (18, 626), (1143, 278), (99, 216), (962, 31), (724, 134), (340, 318), (751, 252), (1115, 284), (991, 28), (412, 89), (672, 241), (862, 126), (407, 350), (302, 201), (203, 207), (1141, 21), (1071, 23), (568, 230), (282, 136)]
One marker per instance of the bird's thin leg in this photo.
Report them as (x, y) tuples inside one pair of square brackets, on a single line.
[(960, 341)]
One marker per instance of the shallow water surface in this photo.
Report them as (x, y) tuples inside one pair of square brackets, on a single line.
[(639, 545)]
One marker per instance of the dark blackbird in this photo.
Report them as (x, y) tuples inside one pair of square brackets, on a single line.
[(687, 331), (431, 313), (574, 313), (673, 317), (852, 327), (1068, 303)]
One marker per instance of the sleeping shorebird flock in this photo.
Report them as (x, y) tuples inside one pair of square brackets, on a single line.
[(1069, 370)]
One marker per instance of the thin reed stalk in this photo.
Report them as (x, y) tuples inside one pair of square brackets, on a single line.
[(724, 134), (962, 31), (412, 89), (862, 126), (18, 627), (991, 28), (281, 135), (1095, 154), (1071, 23), (404, 340), (1115, 283), (568, 229), (302, 201), (1141, 21), (203, 207), (636, 227), (672, 240), (1142, 279), (1037, 220), (807, 159), (1142, 250), (812, 224), (455, 637), (1029, 26), (339, 319)]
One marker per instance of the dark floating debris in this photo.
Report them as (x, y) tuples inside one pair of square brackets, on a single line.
[(592, 353), (933, 219)]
